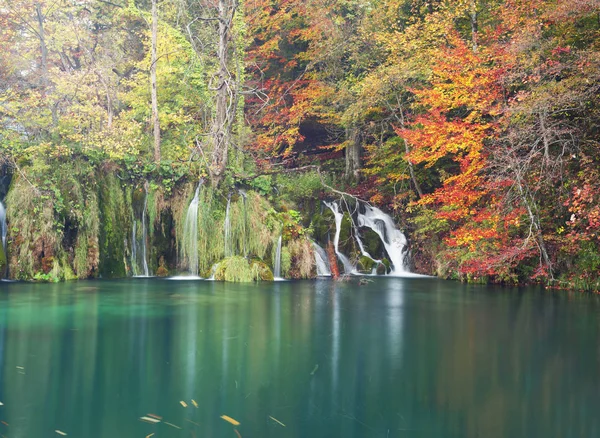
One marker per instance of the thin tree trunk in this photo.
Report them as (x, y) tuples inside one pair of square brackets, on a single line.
[(44, 62), (542, 118), (353, 164), (535, 224), (154, 96), (226, 105), (474, 25), (411, 169), (333, 263)]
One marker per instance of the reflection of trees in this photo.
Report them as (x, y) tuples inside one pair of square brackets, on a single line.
[(390, 356)]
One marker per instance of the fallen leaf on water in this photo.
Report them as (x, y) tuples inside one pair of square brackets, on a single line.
[(237, 433), (20, 368), (312, 373), (230, 420), (155, 416), (60, 432), (4, 422), (182, 403), (276, 420), (172, 425), (194, 403), (150, 420), (148, 436)]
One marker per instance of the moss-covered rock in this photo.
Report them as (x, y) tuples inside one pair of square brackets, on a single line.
[(365, 265), (237, 269), (384, 267)]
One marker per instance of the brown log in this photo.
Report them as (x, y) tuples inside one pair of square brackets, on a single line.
[(333, 263)]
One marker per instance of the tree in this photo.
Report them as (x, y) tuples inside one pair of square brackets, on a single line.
[(154, 97)]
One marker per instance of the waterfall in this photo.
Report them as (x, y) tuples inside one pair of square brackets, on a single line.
[(3, 233), (339, 216), (189, 246), (227, 226), (142, 242), (393, 239), (322, 261), (134, 248), (145, 233), (244, 200), (277, 265)]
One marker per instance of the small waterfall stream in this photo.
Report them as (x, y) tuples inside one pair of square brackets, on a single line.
[(322, 261), (381, 223), (393, 239), (145, 234), (349, 268), (189, 245), (141, 241), (227, 227), (277, 264), (3, 233)]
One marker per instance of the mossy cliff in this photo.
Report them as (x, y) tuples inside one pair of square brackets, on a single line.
[(79, 220)]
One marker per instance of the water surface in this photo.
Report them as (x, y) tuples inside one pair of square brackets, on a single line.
[(393, 358)]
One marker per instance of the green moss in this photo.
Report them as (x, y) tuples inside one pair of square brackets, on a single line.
[(235, 269), (365, 264), (384, 267), (115, 219)]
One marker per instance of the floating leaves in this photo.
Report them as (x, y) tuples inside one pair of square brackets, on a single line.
[(312, 373), (276, 421), (150, 420), (230, 420), (184, 404), (194, 403), (60, 432)]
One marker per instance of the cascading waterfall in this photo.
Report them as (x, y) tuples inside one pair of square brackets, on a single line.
[(277, 264), (189, 247), (145, 234), (227, 226), (244, 200), (322, 261), (393, 239), (134, 248), (142, 241), (339, 216), (3, 232)]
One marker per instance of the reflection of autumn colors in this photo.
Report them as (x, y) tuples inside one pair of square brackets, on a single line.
[(415, 357)]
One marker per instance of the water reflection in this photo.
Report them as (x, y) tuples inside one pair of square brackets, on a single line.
[(396, 357)]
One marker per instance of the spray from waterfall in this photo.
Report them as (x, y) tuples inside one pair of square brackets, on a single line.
[(322, 261), (349, 268), (277, 264)]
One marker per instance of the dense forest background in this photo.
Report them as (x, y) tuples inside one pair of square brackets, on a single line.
[(474, 122)]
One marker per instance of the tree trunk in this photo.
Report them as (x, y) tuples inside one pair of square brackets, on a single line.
[(536, 226), (155, 119), (411, 169), (474, 25), (226, 94), (44, 61), (353, 150), (333, 263)]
